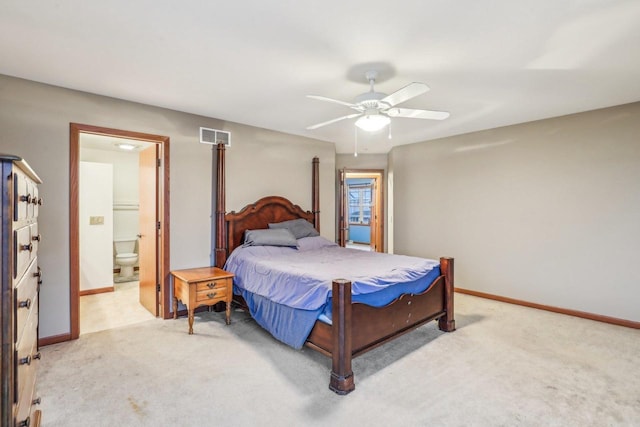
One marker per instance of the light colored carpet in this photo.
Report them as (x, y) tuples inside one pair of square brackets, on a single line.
[(504, 366)]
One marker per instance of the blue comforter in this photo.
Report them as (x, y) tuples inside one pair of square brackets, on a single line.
[(286, 289)]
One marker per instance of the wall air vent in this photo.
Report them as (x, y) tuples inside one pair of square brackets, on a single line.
[(215, 137)]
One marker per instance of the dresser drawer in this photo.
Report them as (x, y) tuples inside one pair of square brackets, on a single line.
[(219, 293), (26, 197), (25, 296), (36, 201), (21, 196), (27, 356), (30, 188), (26, 407), (22, 250), (35, 238)]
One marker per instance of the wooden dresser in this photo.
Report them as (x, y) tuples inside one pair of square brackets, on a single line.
[(21, 278)]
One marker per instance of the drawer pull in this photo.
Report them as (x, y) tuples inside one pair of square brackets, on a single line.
[(26, 198), (36, 401), (37, 356), (39, 201), (211, 285), (28, 247), (211, 295), (25, 304), (35, 200), (38, 274), (25, 361), (24, 423), (36, 237)]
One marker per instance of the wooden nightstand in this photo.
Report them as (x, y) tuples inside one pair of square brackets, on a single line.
[(202, 286)]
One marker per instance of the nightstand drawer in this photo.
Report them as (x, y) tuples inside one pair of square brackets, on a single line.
[(211, 295), (213, 284)]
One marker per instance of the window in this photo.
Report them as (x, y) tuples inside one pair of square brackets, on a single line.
[(360, 198)]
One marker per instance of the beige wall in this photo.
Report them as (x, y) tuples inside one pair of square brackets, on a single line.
[(286, 160), (363, 161), (547, 212), (34, 124)]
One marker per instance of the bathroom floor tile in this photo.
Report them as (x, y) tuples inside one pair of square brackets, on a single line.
[(112, 309), (118, 279)]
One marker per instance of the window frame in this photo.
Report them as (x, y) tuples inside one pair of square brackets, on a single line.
[(362, 203)]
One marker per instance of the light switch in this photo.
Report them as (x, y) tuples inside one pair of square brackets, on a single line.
[(96, 220)]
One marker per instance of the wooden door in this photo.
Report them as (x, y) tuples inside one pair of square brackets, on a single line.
[(377, 206), (148, 235)]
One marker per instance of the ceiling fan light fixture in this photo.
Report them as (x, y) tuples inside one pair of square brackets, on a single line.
[(372, 122), (376, 109), (125, 146)]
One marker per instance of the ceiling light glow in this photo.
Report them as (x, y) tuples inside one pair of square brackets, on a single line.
[(372, 122), (127, 147)]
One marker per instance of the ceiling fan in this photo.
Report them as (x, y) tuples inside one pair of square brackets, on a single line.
[(376, 109)]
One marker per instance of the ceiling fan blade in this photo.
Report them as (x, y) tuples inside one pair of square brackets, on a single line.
[(418, 114), (350, 116), (409, 91), (335, 101)]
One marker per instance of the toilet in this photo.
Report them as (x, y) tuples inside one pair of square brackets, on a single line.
[(126, 256)]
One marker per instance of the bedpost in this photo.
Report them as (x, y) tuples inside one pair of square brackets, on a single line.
[(342, 216), (221, 241), (342, 380), (447, 322), (315, 192)]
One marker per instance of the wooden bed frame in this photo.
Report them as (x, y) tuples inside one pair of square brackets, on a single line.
[(357, 328)]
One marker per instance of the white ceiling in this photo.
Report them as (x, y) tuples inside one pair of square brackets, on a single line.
[(489, 63), (111, 143)]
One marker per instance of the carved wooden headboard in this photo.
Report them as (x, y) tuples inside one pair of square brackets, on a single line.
[(230, 227), (258, 215)]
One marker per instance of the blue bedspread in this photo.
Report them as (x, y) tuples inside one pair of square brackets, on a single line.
[(287, 289), (289, 325)]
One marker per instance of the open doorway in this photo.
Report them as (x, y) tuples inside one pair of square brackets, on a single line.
[(361, 210), (142, 236)]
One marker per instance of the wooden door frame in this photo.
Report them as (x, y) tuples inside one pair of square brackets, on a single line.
[(378, 176), (75, 130)]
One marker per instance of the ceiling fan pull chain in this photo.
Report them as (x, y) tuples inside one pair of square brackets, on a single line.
[(355, 148)]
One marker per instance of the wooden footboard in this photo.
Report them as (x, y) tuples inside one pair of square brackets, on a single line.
[(358, 328)]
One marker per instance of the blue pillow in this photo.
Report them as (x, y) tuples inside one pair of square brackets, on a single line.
[(298, 227), (276, 237)]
